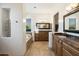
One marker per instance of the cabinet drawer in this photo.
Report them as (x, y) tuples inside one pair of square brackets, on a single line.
[(70, 49), (66, 53)]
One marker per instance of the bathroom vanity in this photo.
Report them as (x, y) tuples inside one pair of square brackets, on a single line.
[(42, 31), (42, 36), (65, 44)]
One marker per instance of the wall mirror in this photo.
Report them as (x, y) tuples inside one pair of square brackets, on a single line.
[(43, 25), (71, 22)]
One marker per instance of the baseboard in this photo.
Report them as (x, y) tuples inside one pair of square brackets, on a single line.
[(4, 54)]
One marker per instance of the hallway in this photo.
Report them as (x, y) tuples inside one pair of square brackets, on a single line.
[(39, 49)]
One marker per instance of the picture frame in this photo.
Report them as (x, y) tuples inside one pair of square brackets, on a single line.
[(43, 25)]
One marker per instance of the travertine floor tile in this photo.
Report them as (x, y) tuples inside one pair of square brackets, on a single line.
[(39, 48)]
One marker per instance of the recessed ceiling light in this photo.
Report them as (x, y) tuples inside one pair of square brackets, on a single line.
[(34, 7)]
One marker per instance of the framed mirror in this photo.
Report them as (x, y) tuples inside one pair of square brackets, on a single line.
[(71, 21), (43, 25)]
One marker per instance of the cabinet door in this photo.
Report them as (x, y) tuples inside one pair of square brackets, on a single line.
[(66, 53), (36, 36), (41, 36), (70, 49), (54, 44), (59, 48)]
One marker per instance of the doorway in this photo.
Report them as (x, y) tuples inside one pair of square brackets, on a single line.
[(56, 25)]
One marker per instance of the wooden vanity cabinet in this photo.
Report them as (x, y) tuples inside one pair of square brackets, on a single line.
[(71, 50), (42, 36), (57, 46), (66, 53), (64, 46), (65, 50)]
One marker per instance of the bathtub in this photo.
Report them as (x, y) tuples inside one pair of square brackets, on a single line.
[(29, 40), (28, 36)]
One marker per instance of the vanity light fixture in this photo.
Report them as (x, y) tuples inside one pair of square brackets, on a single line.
[(72, 6)]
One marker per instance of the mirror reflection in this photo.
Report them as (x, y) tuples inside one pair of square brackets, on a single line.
[(71, 22)]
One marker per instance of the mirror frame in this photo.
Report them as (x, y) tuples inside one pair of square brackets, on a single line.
[(43, 23), (68, 14)]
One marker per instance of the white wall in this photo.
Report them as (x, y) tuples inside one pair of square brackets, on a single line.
[(14, 45)]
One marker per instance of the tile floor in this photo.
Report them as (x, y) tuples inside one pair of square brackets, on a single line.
[(39, 48)]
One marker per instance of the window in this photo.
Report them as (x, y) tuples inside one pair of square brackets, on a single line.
[(28, 25)]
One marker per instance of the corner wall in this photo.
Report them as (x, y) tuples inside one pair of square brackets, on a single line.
[(14, 45)]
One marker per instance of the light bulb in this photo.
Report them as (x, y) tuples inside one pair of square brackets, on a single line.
[(24, 21), (73, 5)]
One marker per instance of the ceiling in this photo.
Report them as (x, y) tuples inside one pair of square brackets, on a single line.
[(42, 7)]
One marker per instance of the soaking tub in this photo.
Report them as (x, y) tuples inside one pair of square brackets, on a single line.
[(28, 40)]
